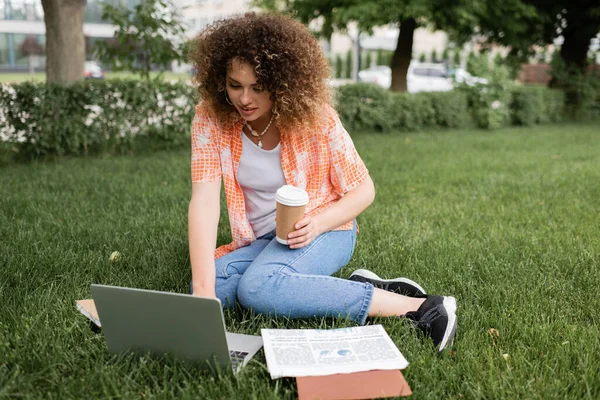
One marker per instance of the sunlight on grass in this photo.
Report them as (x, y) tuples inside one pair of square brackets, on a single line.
[(507, 221)]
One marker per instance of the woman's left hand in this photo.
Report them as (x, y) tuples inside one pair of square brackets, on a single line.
[(307, 229)]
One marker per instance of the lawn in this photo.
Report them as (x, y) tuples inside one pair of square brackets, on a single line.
[(507, 221), (41, 76)]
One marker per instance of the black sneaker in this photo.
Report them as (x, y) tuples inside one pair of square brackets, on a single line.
[(437, 319), (399, 285)]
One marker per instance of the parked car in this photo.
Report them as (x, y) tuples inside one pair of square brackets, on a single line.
[(421, 77), (379, 74), (460, 75), (428, 77), (91, 70)]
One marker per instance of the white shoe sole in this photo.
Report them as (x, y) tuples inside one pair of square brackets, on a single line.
[(371, 275), (450, 306)]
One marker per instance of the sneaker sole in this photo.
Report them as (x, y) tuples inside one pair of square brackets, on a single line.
[(371, 275), (450, 306)]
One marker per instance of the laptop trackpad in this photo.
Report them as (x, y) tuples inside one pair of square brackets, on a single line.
[(241, 342)]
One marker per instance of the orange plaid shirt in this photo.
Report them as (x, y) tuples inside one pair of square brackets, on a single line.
[(324, 162)]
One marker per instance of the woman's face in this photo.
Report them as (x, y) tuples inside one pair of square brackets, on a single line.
[(246, 95)]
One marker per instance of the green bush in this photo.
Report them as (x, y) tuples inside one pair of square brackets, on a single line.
[(365, 106), (348, 65), (582, 89), (582, 96), (338, 66), (369, 107), (489, 104), (408, 112), (88, 117), (423, 111), (430, 110), (456, 58), (450, 108), (120, 115), (536, 104)]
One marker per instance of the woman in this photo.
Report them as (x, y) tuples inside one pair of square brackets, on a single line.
[(266, 120)]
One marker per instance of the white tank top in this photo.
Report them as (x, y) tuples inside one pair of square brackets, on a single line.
[(260, 175)]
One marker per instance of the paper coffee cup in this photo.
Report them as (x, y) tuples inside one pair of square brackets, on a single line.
[(291, 204)]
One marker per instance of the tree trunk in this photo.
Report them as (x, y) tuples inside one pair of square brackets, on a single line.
[(575, 47), (65, 43), (577, 37), (403, 54)]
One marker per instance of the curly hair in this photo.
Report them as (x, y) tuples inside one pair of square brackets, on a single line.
[(286, 58)]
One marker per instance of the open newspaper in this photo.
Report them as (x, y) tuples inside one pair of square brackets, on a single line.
[(316, 352)]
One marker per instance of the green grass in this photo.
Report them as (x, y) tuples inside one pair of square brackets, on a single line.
[(506, 221), (41, 76)]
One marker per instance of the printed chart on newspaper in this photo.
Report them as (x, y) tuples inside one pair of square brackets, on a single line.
[(316, 352)]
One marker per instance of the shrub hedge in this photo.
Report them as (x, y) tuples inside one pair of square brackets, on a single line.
[(489, 105), (536, 105), (50, 119), (365, 106), (39, 119), (368, 107)]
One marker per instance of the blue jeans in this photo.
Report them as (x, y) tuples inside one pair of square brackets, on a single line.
[(273, 279)]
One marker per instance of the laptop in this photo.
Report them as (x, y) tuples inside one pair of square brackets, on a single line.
[(188, 327)]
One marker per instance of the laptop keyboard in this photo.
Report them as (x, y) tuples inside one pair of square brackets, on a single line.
[(237, 357)]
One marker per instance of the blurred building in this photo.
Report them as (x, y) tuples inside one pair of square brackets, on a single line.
[(200, 13), (386, 38), (22, 27)]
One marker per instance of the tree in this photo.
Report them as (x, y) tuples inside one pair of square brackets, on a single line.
[(539, 23), (471, 64), (329, 60), (65, 44), (407, 15), (145, 37), (368, 59), (386, 58), (446, 55), (541, 56), (477, 64), (456, 60), (338, 66), (422, 58), (30, 48), (434, 57), (498, 60), (577, 21), (348, 71), (380, 57)]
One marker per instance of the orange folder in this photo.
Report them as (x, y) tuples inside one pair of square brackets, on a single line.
[(354, 386)]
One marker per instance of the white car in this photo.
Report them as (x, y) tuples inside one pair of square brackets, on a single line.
[(421, 77), (428, 77), (379, 74), (462, 76)]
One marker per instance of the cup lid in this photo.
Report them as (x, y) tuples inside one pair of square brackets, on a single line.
[(291, 196)]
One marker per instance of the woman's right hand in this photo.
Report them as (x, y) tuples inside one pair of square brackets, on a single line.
[(203, 218), (201, 291), (205, 293)]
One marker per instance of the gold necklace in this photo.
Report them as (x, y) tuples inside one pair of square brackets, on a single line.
[(256, 134)]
